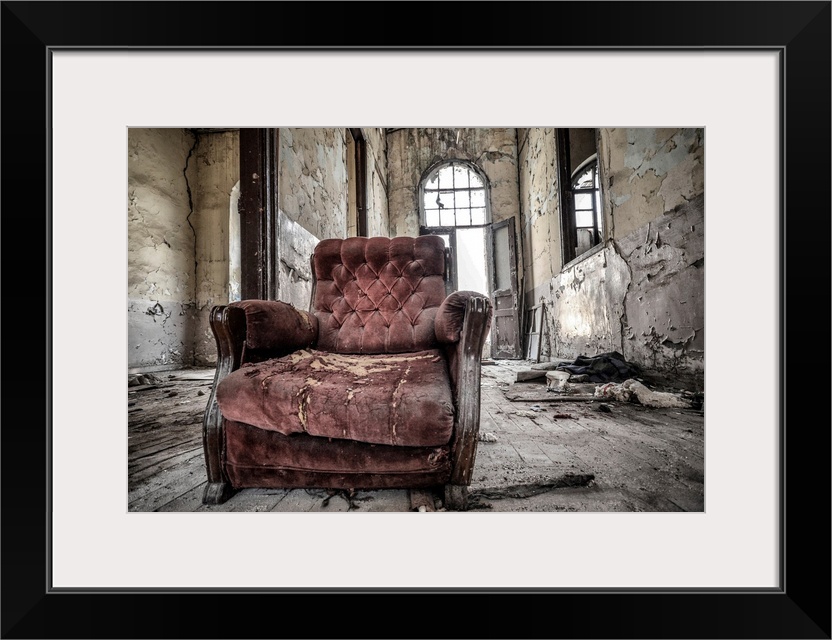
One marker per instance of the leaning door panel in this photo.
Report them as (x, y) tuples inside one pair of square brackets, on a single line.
[(505, 331)]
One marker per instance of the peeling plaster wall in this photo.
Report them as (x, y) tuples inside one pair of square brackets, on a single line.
[(160, 248), (411, 152), (642, 294), (664, 307), (294, 275), (217, 164), (313, 179), (378, 221), (578, 309), (538, 184), (649, 172)]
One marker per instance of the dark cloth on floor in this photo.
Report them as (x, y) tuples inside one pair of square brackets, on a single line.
[(605, 367)]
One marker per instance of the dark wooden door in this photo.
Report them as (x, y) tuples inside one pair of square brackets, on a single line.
[(505, 325)]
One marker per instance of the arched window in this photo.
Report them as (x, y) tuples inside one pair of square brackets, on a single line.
[(454, 204), (454, 195)]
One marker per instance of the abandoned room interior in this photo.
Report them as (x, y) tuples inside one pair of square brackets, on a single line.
[(585, 245)]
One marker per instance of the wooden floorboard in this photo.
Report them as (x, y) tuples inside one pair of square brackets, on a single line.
[(191, 500), (165, 486), (164, 433), (163, 462), (251, 501)]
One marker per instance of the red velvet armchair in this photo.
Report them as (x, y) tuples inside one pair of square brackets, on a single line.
[(377, 387)]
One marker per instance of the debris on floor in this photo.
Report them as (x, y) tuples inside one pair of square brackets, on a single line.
[(529, 374), (422, 501), (486, 437), (538, 370), (557, 381), (575, 393), (526, 414), (142, 379), (604, 367), (634, 391)]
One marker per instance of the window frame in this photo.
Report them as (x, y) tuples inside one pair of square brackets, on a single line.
[(597, 217), (566, 202)]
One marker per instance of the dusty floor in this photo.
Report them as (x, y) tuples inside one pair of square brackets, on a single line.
[(539, 451)]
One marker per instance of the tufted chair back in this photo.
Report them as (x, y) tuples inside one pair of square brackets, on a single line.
[(378, 295)]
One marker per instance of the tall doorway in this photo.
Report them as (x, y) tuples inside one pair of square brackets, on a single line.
[(455, 205)]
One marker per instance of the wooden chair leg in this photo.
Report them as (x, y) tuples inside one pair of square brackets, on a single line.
[(456, 497), (217, 493)]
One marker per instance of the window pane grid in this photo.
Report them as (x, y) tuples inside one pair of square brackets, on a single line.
[(454, 196)]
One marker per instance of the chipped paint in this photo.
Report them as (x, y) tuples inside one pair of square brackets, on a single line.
[(649, 172), (313, 179), (642, 293), (538, 202), (642, 296)]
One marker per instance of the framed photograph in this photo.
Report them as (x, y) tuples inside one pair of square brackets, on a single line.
[(754, 75)]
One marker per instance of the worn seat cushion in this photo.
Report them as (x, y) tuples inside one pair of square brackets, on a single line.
[(395, 399)]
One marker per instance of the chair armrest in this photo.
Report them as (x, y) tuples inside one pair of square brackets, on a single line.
[(465, 364), (242, 329), (275, 325), (229, 327), (450, 317)]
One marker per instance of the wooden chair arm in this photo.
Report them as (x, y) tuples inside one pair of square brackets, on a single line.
[(467, 361), (229, 327)]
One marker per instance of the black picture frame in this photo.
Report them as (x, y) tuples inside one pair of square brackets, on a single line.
[(800, 31)]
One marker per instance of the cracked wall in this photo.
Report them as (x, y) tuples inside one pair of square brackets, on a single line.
[(179, 225), (642, 294), (160, 248), (411, 152)]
